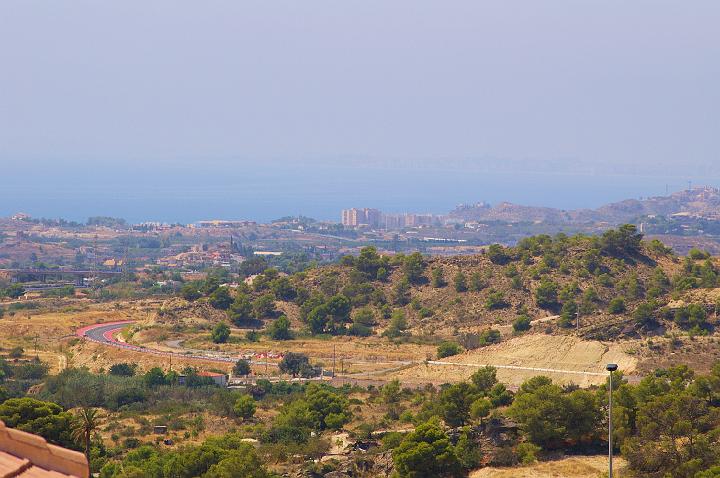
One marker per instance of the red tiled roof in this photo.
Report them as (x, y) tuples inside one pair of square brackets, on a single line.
[(26, 455), (35, 472), (10, 464)]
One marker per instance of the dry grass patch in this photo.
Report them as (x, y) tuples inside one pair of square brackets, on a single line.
[(536, 351), (575, 467)]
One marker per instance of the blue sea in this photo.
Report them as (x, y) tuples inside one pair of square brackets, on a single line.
[(264, 190)]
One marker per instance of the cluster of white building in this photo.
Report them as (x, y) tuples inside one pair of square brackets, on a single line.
[(374, 218)]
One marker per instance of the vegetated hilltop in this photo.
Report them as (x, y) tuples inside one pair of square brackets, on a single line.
[(618, 284), (701, 201), (509, 212)]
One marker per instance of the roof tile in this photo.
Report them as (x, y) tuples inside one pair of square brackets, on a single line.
[(36, 472), (29, 448), (11, 465)]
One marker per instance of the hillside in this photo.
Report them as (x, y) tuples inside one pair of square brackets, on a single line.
[(405, 345), (703, 201), (620, 286), (541, 277)]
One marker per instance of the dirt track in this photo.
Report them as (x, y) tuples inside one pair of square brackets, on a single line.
[(566, 359), (562, 354)]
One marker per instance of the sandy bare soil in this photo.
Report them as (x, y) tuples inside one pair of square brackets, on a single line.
[(52, 328), (374, 356), (350, 355), (539, 351), (574, 467)]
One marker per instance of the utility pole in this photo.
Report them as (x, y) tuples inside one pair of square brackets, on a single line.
[(124, 268), (333, 371), (95, 265), (35, 339), (611, 367), (577, 313)]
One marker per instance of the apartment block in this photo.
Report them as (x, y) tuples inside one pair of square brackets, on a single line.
[(355, 217)]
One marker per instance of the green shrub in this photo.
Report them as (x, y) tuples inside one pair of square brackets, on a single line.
[(527, 453), (392, 440), (460, 282), (697, 254), (241, 367), (546, 294), (489, 337), (427, 451), (495, 300), (244, 407), (448, 349), (122, 369), (279, 329), (617, 306), (359, 330), (521, 324), (438, 280), (220, 333)]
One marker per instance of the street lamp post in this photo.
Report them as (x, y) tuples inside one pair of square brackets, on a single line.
[(611, 367), (577, 322)]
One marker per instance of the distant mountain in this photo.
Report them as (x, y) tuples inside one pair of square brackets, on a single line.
[(509, 212), (703, 201)]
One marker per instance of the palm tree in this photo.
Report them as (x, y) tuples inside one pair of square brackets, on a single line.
[(87, 421)]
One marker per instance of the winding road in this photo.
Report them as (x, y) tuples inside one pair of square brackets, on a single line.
[(105, 333)]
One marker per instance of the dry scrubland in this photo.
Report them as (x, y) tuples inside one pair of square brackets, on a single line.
[(533, 351), (455, 313), (375, 355), (433, 313), (575, 467), (54, 324)]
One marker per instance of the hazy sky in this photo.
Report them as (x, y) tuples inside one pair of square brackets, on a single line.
[(257, 84)]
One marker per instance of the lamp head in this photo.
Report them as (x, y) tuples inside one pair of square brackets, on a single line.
[(611, 367)]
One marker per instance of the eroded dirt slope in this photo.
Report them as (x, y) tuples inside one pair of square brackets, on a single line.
[(534, 351)]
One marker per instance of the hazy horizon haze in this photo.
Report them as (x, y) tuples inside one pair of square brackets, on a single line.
[(187, 110)]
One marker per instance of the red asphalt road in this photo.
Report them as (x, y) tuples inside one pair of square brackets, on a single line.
[(105, 334)]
